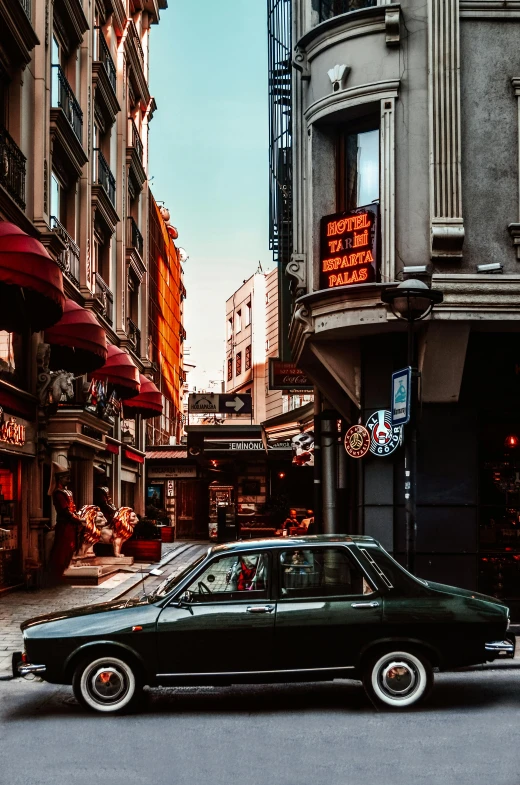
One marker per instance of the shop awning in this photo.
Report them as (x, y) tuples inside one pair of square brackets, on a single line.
[(148, 403), (285, 426), (172, 452), (31, 283), (78, 341), (120, 372)]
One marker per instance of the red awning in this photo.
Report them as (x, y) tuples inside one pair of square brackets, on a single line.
[(134, 456), (119, 371), (78, 341), (148, 403), (31, 283)]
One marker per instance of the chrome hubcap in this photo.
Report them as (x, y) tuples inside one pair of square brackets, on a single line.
[(398, 679), (107, 684)]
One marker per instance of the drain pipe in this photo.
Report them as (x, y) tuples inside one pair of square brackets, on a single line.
[(317, 462), (329, 438)]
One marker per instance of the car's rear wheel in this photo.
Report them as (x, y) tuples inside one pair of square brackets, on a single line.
[(397, 679), (107, 684)]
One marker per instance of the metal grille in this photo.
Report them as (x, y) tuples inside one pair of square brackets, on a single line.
[(135, 238), (63, 96), (280, 196), (69, 259), (106, 58), (12, 168), (136, 139), (105, 177), (105, 297), (134, 333), (330, 8), (26, 5)]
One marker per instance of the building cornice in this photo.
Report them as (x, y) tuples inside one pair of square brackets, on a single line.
[(489, 9), (365, 21)]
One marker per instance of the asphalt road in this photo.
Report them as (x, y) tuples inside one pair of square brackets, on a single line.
[(318, 734)]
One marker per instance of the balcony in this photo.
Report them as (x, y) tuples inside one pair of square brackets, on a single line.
[(135, 248), (64, 98), (134, 156), (331, 8), (104, 298), (66, 124), (104, 77), (17, 33), (134, 238), (134, 335), (136, 70), (12, 168), (104, 176), (68, 260)]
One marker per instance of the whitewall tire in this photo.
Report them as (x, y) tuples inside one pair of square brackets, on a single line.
[(398, 679), (106, 684)]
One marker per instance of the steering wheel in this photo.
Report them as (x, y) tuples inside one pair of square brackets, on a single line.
[(203, 589)]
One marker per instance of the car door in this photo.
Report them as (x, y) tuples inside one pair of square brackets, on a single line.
[(226, 624), (327, 608)]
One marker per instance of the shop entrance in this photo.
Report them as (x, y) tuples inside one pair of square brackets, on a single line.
[(10, 533)]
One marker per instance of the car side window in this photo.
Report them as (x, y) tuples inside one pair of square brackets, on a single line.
[(321, 572), (238, 576)]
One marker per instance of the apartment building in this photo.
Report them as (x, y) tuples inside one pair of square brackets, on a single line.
[(75, 107)]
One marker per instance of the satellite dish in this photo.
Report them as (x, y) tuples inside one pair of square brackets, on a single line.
[(183, 256)]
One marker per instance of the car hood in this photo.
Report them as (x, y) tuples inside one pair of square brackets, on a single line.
[(84, 610), (473, 595)]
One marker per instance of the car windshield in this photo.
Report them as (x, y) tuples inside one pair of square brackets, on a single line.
[(174, 579)]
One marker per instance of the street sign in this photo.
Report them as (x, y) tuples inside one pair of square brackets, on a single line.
[(385, 438), (401, 395), (213, 403), (203, 403), (236, 403)]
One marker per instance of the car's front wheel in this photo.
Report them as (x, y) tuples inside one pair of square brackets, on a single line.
[(106, 684), (397, 679)]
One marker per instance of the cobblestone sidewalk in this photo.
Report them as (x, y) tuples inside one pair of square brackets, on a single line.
[(17, 606)]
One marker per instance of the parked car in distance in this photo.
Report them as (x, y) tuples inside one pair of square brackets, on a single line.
[(277, 610)]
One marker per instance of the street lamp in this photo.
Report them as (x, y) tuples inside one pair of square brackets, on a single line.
[(411, 301)]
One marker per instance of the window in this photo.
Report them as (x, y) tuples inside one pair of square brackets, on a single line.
[(241, 576), (267, 345), (229, 328), (248, 313), (321, 572), (55, 197), (358, 165), (11, 354), (230, 369), (238, 321), (238, 364), (248, 357)]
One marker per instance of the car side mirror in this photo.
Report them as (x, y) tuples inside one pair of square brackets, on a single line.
[(186, 597)]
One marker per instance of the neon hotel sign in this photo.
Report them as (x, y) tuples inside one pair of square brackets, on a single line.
[(349, 247)]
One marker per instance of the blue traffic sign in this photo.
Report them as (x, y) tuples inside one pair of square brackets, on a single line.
[(401, 395)]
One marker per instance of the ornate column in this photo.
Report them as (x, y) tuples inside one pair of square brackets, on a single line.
[(447, 226)]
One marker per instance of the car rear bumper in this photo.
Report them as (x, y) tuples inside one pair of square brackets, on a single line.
[(21, 668), (501, 649)]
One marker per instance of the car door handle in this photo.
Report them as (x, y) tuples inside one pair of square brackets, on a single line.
[(373, 604), (260, 608)]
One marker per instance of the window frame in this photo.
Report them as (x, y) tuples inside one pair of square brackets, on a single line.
[(246, 597), (277, 574)]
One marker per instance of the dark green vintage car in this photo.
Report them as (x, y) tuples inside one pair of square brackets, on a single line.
[(291, 609)]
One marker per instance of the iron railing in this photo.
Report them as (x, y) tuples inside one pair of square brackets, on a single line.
[(134, 237), (104, 176), (133, 135), (280, 192), (330, 8), (134, 333), (105, 297), (104, 56), (63, 97), (68, 260), (12, 168), (26, 5)]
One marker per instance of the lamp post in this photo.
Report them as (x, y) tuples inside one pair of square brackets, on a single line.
[(411, 301)]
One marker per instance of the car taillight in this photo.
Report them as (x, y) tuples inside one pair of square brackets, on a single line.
[(24, 657)]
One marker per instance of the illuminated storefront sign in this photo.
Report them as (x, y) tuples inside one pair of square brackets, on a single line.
[(12, 432), (349, 247), (287, 376)]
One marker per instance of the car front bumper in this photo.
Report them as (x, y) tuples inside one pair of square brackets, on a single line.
[(505, 649)]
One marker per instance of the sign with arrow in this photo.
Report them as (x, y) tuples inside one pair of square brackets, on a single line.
[(214, 403), (236, 403)]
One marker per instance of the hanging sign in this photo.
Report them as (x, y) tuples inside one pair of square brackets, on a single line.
[(349, 252), (287, 376), (12, 432), (385, 438), (357, 441), (401, 393)]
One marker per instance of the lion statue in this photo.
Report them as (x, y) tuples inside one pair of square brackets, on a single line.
[(123, 526), (94, 530)]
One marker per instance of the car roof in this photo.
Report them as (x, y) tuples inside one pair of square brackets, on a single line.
[(285, 542)]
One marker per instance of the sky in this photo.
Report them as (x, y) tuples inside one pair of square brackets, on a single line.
[(208, 159)]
